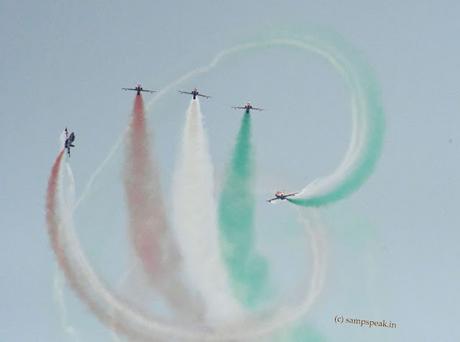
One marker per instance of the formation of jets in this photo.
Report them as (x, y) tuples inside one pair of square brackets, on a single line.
[(70, 138)]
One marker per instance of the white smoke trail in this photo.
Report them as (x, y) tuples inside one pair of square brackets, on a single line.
[(58, 281), (67, 213), (324, 185), (315, 230), (67, 198), (253, 329), (344, 63), (125, 318), (58, 286), (89, 185), (195, 221)]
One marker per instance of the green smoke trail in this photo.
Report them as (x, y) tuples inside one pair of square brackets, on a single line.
[(368, 126), (248, 270), (347, 62), (369, 153)]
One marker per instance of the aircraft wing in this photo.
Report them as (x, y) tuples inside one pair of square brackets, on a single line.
[(291, 194), (129, 89), (185, 92), (272, 199), (149, 91), (202, 95), (255, 108), (239, 107)]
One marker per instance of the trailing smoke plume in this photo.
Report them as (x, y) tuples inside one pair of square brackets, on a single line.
[(357, 165), (148, 226), (121, 316), (367, 113), (248, 270), (196, 223)]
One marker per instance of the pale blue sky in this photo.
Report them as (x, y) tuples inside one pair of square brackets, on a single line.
[(62, 63)]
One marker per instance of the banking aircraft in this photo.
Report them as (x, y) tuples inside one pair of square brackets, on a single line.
[(195, 93), (279, 195), (138, 88), (247, 107), (69, 139)]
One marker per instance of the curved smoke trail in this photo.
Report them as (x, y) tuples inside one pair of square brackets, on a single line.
[(122, 316), (105, 305), (352, 167), (66, 198), (365, 144), (248, 270), (367, 113), (148, 226), (58, 286), (194, 212)]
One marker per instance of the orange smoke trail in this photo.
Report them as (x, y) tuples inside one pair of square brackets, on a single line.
[(51, 219), (76, 281), (90, 289), (54, 222), (120, 315), (147, 221)]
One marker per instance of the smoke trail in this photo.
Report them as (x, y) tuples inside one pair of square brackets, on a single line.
[(149, 230), (368, 116), (58, 280), (195, 220), (123, 317), (248, 270), (367, 113), (365, 145), (340, 56), (60, 301), (89, 185), (77, 270)]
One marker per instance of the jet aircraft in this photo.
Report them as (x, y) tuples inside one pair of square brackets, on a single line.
[(247, 107), (69, 139), (138, 89), (279, 195), (195, 93)]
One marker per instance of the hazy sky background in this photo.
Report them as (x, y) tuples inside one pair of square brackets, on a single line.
[(62, 63)]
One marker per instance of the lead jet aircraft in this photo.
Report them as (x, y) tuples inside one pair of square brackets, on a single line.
[(139, 88), (195, 93), (69, 139), (279, 195), (247, 107)]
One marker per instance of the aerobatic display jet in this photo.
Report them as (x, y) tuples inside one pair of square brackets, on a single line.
[(279, 195), (69, 139), (247, 107), (138, 88), (195, 93)]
